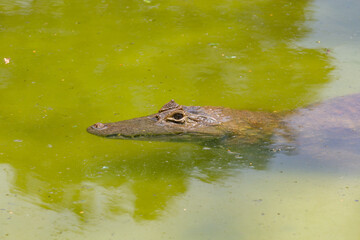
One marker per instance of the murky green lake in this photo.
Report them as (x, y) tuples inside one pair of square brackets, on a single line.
[(68, 64)]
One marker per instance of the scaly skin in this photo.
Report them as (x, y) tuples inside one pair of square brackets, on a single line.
[(190, 123), (194, 123), (328, 133)]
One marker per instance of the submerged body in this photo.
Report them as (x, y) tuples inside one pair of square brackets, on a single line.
[(325, 135), (339, 118)]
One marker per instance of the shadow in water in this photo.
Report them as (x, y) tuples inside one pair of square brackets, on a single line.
[(142, 186), (156, 179)]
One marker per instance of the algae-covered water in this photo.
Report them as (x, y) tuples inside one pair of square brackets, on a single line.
[(68, 64)]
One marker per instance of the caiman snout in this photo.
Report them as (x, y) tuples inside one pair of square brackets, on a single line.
[(98, 126), (99, 129)]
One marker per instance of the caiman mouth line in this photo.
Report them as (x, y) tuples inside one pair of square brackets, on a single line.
[(165, 137)]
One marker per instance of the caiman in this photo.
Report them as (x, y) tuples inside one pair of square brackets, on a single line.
[(324, 134), (332, 126), (191, 123)]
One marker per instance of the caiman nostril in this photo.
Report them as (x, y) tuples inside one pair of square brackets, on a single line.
[(99, 125)]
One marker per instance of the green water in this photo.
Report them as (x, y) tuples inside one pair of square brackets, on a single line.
[(73, 63)]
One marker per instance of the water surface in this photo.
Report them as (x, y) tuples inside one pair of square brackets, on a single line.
[(71, 64)]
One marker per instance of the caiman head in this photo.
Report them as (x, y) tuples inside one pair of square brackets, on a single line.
[(172, 122)]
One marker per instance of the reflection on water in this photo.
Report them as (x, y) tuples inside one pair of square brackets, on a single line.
[(146, 182), (76, 63), (240, 53), (273, 201)]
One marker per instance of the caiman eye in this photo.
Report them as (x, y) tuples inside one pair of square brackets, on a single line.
[(178, 116)]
